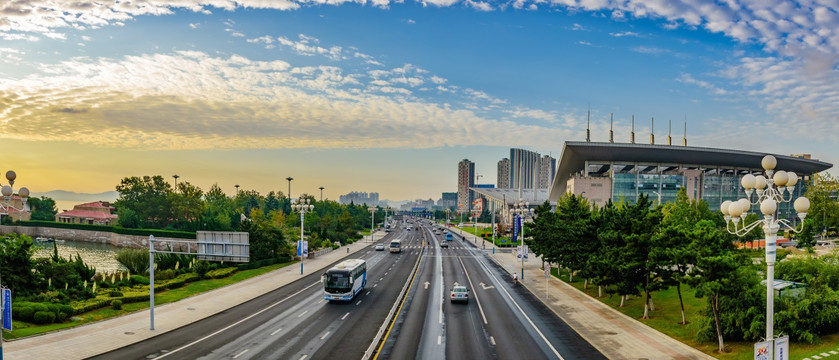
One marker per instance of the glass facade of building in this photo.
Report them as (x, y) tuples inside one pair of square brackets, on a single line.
[(710, 183)]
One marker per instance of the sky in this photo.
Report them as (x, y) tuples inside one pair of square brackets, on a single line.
[(387, 97)]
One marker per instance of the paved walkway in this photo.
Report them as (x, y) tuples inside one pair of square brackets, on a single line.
[(103, 336), (614, 334)]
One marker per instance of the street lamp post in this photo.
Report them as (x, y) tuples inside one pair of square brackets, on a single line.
[(302, 206), (770, 191), (321, 192), (176, 181), (522, 208), (372, 210), (8, 191), (237, 189)]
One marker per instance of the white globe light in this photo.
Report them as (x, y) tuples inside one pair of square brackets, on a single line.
[(760, 182), (802, 205), (780, 178), (23, 192), (734, 209), (792, 178), (748, 181), (6, 190), (10, 175), (768, 162), (724, 207), (768, 207), (745, 205)]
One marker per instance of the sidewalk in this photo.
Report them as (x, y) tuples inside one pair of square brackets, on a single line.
[(614, 334), (103, 336)]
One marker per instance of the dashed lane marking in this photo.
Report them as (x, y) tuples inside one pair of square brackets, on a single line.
[(276, 331), (240, 354), (345, 316), (303, 313)]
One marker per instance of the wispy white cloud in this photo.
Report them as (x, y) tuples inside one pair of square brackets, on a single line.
[(625, 33), (190, 100), (689, 79)]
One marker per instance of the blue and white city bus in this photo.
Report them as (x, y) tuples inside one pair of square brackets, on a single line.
[(345, 280)]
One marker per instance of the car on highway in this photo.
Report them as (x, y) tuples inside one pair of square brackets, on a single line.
[(380, 247), (444, 244), (460, 294)]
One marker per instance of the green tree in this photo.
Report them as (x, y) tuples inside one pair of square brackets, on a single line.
[(189, 204), (719, 273), (577, 236), (266, 239), (149, 197), (16, 263), (824, 208), (43, 208)]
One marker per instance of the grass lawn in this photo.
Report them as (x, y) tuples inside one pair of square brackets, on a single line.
[(488, 230), (667, 319), (22, 329)]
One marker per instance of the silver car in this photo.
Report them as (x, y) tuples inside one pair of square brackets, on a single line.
[(460, 294)]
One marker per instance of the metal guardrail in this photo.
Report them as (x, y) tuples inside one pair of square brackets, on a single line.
[(320, 252)]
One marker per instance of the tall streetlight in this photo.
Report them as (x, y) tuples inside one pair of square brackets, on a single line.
[(176, 181), (321, 192), (237, 189), (289, 186), (522, 208), (8, 191), (302, 206), (372, 210), (770, 192)]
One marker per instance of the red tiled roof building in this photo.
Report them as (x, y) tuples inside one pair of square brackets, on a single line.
[(97, 212)]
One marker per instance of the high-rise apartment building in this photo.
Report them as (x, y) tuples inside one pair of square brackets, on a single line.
[(503, 179), (547, 170), (522, 168), (465, 180), (359, 198)]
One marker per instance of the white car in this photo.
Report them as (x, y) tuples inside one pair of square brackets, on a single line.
[(460, 293), (380, 247)]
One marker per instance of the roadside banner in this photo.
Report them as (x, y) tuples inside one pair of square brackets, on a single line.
[(516, 225), (763, 350), (303, 248), (7, 309), (782, 348), (547, 270)]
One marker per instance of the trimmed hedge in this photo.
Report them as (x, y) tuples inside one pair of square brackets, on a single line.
[(43, 317), (221, 273), (113, 229), (116, 304)]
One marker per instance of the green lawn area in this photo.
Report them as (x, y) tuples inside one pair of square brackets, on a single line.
[(488, 231), (667, 319), (162, 297)]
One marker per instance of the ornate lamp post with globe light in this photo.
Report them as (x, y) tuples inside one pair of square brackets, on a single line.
[(5, 208), (302, 206), (522, 208), (777, 187)]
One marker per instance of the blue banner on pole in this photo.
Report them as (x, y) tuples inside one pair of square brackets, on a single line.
[(516, 225), (7, 309), (303, 248)]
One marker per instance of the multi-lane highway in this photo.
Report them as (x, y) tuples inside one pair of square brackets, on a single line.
[(294, 322)]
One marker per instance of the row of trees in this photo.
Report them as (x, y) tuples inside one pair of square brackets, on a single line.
[(637, 248)]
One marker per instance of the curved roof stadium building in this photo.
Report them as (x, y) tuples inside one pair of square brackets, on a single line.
[(618, 171)]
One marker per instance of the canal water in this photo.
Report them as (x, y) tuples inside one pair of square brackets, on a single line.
[(100, 256)]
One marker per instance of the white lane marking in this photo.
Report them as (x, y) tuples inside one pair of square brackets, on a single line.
[(240, 354), (321, 301), (469, 279), (303, 313), (304, 357), (368, 293), (325, 335), (492, 340), (276, 331), (345, 316), (426, 285), (380, 279), (439, 339), (374, 285), (238, 322), (522, 312), (359, 302)]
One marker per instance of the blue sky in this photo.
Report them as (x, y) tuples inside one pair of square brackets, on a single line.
[(389, 96)]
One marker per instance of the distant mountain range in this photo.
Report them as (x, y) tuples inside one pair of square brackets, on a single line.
[(63, 195)]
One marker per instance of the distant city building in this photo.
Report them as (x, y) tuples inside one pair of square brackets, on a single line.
[(359, 198), (527, 169), (97, 212), (503, 178), (465, 180), (448, 201), (547, 170)]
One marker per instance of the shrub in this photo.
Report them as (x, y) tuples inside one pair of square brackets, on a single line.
[(164, 274), (221, 273), (135, 260), (43, 317), (24, 313), (37, 307), (116, 304), (201, 267), (137, 279), (115, 293)]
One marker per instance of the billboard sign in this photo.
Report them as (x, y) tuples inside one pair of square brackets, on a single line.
[(223, 246), (516, 227), (7, 309)]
